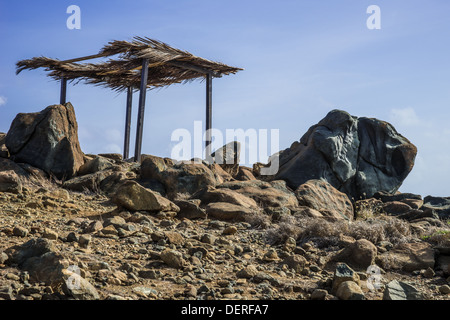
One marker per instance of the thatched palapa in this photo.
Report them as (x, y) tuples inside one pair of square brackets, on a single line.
[(167, 65)]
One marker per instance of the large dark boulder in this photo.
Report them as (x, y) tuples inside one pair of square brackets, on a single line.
[(357, 156), (47, 140)]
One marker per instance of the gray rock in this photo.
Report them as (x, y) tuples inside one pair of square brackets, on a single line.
[(397, 290), (441, 205), (94, 165), (358, 156), (79, 288), (342, 274), (228, 157), (190, 209), (47, 140), (6, 292)]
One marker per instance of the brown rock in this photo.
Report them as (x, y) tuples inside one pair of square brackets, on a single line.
[(227, 211), (359, 254), (212, 194), (245, 174), (323, 197), (10, 182), (266, 194), (134, 197), (349, 290), (408, 257), (396, 207)]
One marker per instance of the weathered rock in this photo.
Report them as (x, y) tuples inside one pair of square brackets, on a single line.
[(441, 205), (181, 179), (360, 254), (173, 259), (212, 194), (227, 211), (10, 182), (245, 174), (266, 194), (89, 182), (248, 272), (342, 274), (319, 294), (6, 292), (40, 258), (78, 287), (47, 140), (408, 257), (358, 156), (396, 207), (323, 197), (94, 165), (296, 262), (228, 157), (349, 290), (398, 290), (20, 231), (190, 209), (134, 197)]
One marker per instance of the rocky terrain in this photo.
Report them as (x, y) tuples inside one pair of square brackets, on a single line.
[(330, 225)]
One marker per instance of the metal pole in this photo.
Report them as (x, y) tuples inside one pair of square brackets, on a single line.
[(140, 120), (62, 98), (208, 125), (126, 147)]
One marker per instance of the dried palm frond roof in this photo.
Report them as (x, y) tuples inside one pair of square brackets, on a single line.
[(167, 65)]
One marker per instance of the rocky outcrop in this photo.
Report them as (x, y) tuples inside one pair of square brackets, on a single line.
[(47, 140), (358, 156), (180, 180)]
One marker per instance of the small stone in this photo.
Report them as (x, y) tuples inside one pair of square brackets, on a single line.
[(271, 255), (173, 258), (94, 226), (208, 238), (84, 240), (110, 230), (174, 238), (50, 234), (444, 289), (429, 273), (12, 276), (230, 230), (398, 290), (248, 272), (190, 291), (20, 231), (72, 237), (349, 290), (342, 274), (6, 292), (319, 294), (3, 257), (295, 262)]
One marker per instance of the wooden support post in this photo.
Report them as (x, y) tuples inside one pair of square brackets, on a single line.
[(140, 119), (126, 146), (208, 125), (62, 98)]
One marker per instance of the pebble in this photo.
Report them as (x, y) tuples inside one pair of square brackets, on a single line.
[(20, 231)]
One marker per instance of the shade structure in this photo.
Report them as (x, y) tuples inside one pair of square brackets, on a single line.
[(143, 64)]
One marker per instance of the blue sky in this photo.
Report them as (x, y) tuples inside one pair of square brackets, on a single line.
[(301, 58)]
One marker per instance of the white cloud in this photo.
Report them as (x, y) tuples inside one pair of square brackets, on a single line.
[(3, 100), (404, 117)]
